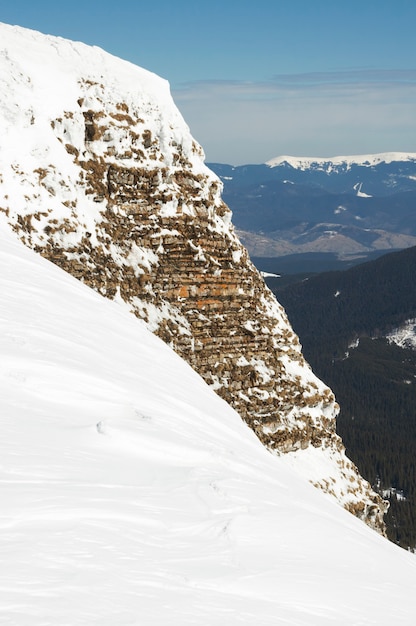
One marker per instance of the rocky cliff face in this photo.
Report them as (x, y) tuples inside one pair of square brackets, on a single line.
[(99, 174)]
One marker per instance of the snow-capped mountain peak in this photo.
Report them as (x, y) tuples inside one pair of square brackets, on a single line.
[(345, 162)]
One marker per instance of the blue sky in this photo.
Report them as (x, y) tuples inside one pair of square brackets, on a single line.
[(263, 78)]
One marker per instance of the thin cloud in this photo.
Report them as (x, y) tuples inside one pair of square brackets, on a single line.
[(352, 76), (284, 83)]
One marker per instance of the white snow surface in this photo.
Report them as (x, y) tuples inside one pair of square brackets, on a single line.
[(326, 163), (132, 494), (405, 336)]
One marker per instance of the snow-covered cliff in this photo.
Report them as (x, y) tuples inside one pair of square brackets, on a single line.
[(99, 174)]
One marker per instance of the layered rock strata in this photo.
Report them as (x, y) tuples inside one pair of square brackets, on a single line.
[(105, 180)]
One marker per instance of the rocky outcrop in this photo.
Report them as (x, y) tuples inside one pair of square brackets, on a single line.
[(110, 186)]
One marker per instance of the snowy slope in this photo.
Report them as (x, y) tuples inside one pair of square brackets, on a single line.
[(132, 494)]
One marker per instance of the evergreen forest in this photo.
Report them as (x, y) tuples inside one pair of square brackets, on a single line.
[(342, 319)]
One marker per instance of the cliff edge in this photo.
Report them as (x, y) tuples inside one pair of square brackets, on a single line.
[(100, 175)]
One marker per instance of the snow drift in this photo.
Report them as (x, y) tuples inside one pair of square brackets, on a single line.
[(131, 493)]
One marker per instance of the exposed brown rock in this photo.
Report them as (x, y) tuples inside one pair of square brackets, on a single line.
[(162, 242)]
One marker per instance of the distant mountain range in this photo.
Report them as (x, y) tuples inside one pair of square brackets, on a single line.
[(347, 206), (358, 331)]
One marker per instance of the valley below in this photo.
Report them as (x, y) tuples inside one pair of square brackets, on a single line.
[(346, 207)]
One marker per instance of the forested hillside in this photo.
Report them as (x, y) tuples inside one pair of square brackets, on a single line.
[(342, 319), (348, 206)]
